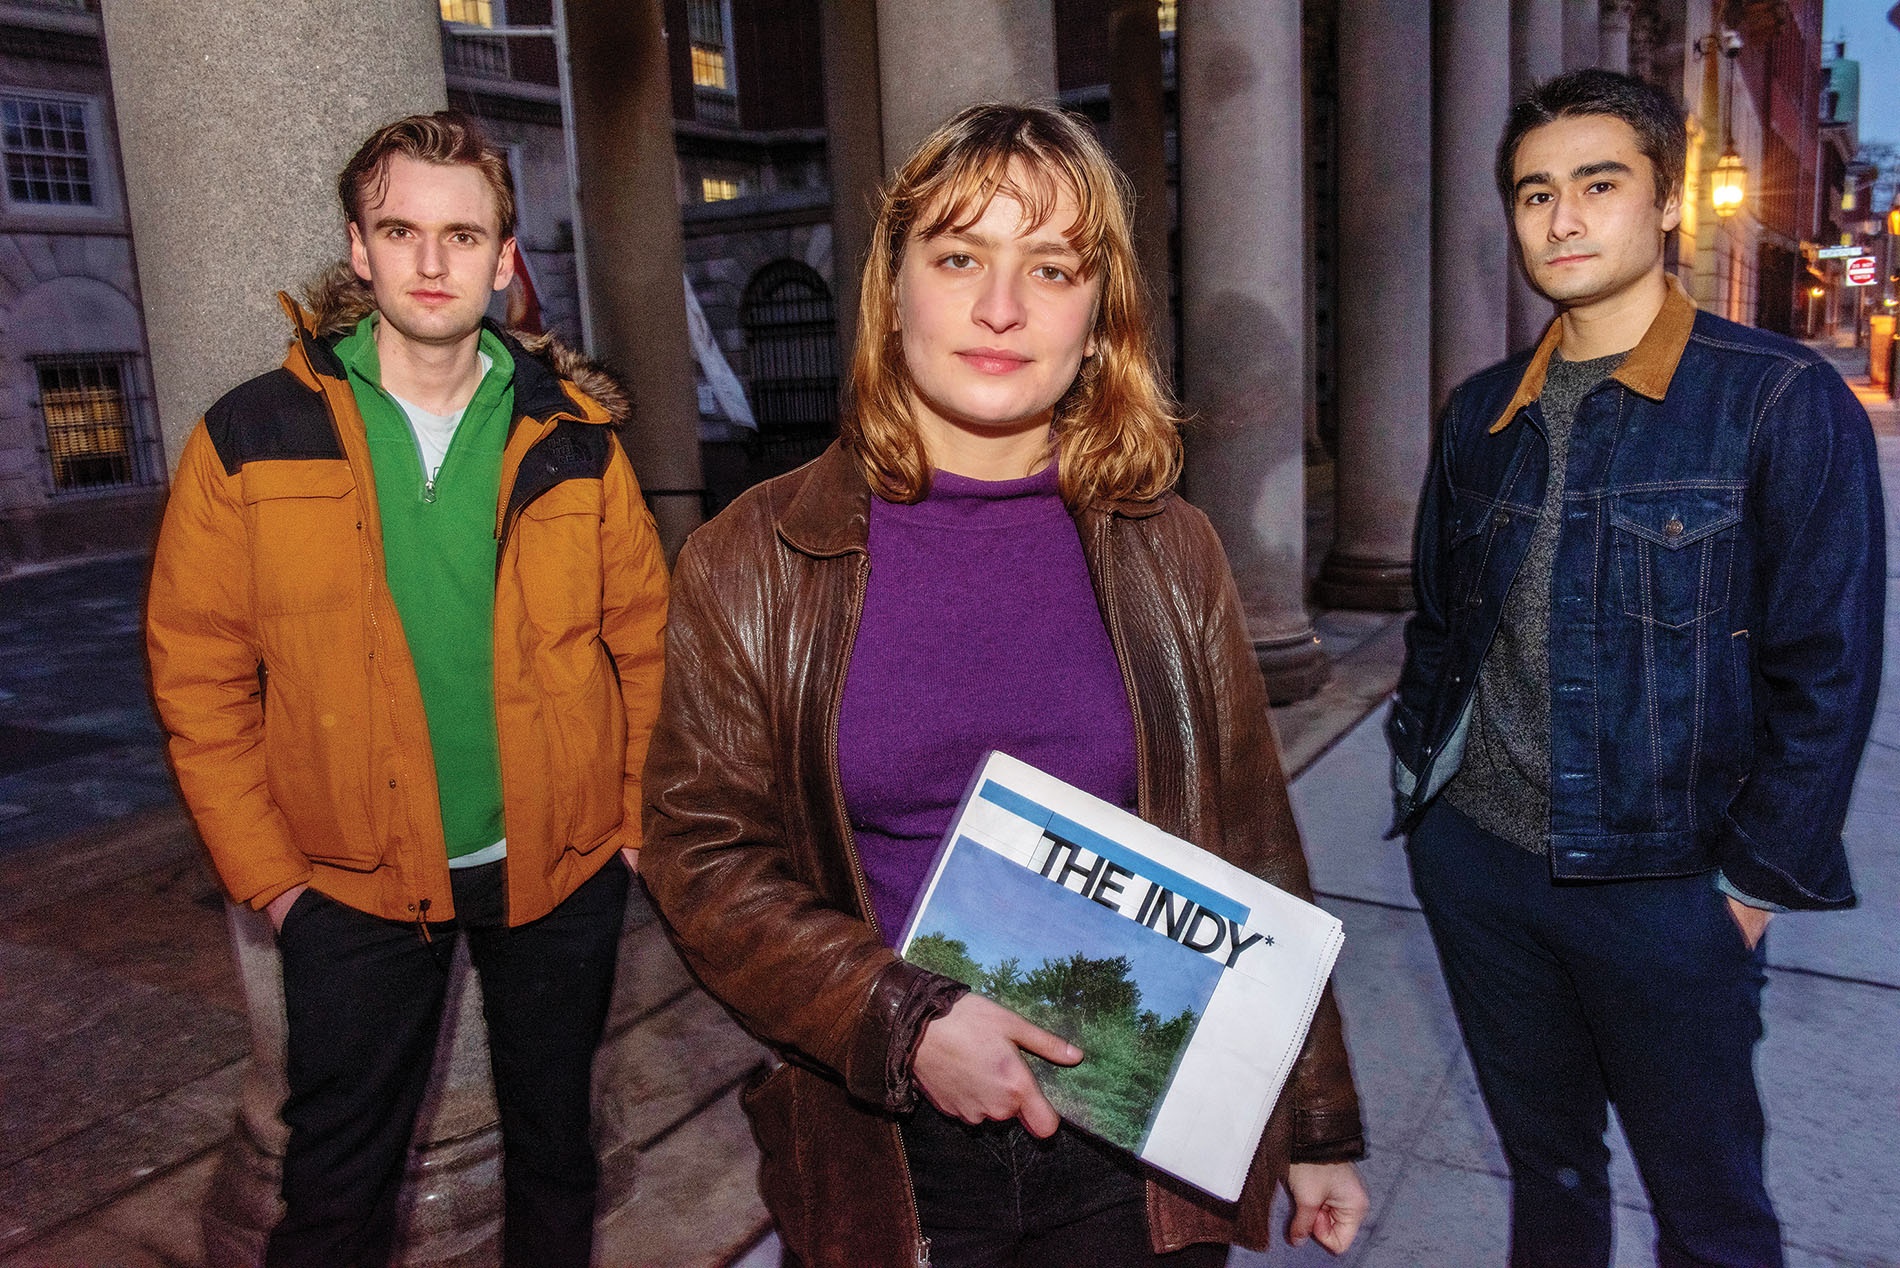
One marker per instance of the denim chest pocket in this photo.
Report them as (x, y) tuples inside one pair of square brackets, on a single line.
[(1473, 529), (1673, 549)]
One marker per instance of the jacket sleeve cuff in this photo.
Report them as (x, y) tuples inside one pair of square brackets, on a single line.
[(1824, 885), (1328, 1135), (917, 998), (1727, 886)]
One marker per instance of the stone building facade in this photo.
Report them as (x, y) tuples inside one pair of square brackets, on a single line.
[(81, 469)]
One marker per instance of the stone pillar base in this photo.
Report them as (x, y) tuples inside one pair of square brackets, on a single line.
[(243, 1205), (1295, 666), (451, 1198), (1364, 585)]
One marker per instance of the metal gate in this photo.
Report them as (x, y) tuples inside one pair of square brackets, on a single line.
[(792, 335)]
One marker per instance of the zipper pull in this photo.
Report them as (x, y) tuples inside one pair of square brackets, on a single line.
[(428, 485), (422, 921)]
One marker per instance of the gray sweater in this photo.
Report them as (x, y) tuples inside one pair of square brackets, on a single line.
[(1503, 784)]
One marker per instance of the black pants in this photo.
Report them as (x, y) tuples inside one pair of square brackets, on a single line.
[(993, 1195), (364, 999), (1572, 997)]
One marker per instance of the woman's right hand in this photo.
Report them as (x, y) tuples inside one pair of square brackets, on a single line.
[(970, 1065)]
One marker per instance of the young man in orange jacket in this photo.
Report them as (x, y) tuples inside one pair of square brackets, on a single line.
[(405, 626)]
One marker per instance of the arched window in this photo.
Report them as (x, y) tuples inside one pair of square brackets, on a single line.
[(787, 318)]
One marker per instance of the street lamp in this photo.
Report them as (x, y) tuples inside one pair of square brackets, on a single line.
[(1730, 184)]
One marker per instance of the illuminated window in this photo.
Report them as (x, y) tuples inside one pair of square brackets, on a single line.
[(710, 32), (471, 12), (48, 154), (1170, 10), (709, 67), (88, 422), (717, 189)]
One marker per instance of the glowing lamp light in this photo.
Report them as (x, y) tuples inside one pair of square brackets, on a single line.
[(1815, 292), (1730, 184), (1893, 218)]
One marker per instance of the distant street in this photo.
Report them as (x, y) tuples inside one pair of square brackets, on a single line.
[(79, 743)]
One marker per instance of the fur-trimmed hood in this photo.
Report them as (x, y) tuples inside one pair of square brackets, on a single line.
[(336, 299)]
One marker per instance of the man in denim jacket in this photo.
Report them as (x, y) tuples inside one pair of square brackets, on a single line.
[(1650, 580)]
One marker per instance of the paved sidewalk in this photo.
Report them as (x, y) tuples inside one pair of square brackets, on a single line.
[(122, 1032), (1829, 1066)]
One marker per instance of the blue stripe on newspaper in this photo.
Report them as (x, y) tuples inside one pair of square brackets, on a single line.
[(1140, 864)]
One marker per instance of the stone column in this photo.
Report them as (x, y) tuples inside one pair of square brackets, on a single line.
[(1613, 36), (231, 173), (1244, 328), (1137, 125), (630, 219), (854, 148), (1537, 54), (1582, 34), (1471, 235), (203, 90), (1385, 274), (937, 56), (1537, 43)]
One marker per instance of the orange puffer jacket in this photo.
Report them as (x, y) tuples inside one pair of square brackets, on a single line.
[(285, 683)]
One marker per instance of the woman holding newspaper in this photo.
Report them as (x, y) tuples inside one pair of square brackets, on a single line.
[(991, 557)]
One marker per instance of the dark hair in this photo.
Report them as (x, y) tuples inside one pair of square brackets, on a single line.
[(447, 136), (1652, 114)]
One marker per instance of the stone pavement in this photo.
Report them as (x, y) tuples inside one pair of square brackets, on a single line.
[(123, 1035), (122, 1032)]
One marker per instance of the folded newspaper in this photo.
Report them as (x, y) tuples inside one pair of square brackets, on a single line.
[(1187, 982)]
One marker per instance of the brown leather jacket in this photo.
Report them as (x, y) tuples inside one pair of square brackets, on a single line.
[(750, 860)]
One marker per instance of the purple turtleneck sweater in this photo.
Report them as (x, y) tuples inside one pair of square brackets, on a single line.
[(980, 632)]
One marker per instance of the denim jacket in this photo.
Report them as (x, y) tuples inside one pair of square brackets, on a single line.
[(1716, 606)]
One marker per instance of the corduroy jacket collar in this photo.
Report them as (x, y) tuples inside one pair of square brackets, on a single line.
[(1647, 370)]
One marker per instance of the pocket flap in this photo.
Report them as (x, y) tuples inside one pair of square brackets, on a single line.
[(297, 478), (570, 497), (1469, 515), (1675, 518)]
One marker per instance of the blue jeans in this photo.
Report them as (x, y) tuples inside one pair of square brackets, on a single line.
[(993, 1195), (1574, 996)]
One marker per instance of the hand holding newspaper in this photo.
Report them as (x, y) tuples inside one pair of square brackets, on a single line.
[(1188, 982)]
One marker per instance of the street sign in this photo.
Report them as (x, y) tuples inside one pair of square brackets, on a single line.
[(1863, 271), (1837, 253)]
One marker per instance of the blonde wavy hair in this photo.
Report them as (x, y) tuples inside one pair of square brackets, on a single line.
[(1116, 429)]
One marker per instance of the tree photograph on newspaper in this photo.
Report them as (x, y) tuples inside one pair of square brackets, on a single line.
[(1188, 983)]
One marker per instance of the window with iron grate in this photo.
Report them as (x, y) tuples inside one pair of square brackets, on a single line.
[(91, 432), (792, 332)]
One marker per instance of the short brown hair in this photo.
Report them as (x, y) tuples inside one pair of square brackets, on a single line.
[(1115, 430), (1658, 121), (447, 136)]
